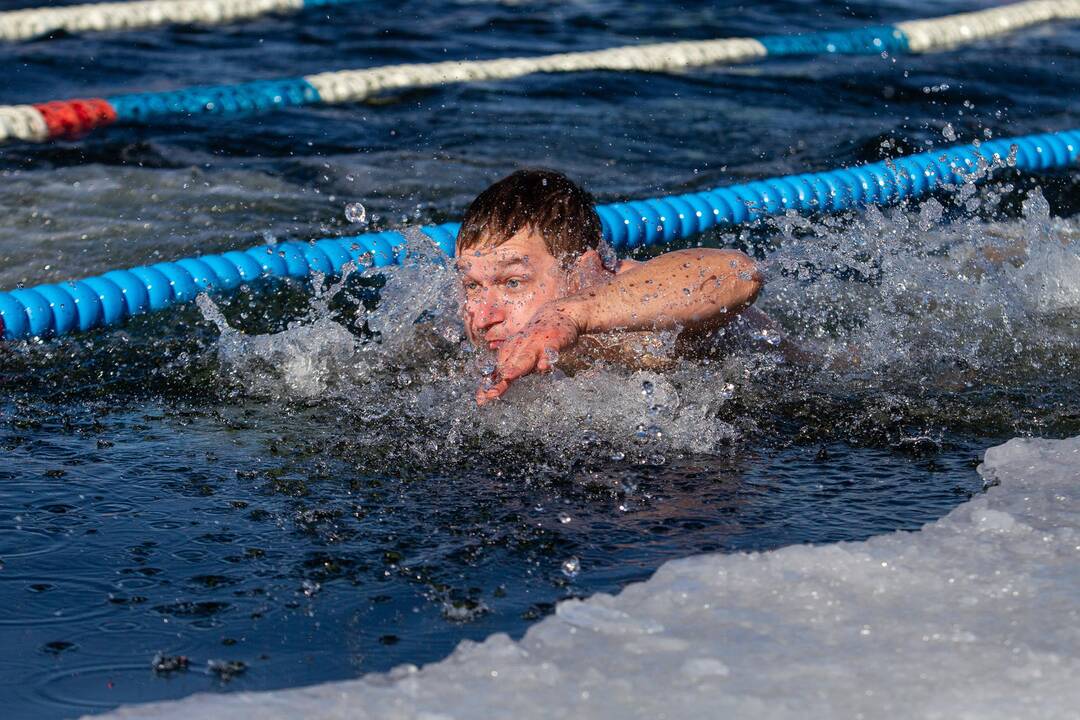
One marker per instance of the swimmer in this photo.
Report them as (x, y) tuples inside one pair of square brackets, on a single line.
[(540, 286)]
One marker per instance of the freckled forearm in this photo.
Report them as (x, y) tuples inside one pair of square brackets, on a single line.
[(677, 289)]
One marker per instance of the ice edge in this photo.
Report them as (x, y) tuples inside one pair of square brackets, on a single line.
[(974, 616)]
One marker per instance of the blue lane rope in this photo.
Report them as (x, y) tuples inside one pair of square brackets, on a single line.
[(242, 99), (109, 299), (866, 41)]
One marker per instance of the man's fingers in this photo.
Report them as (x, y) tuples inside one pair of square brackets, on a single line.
[(509, 369), (516, 362), (516, 359), (484, 396)]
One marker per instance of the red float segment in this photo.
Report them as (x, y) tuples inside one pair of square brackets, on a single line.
[(72, 118)]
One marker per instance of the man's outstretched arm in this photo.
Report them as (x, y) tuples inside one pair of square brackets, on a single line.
[(696, 289), (681, 289)]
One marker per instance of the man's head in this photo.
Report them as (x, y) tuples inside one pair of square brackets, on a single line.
[(525, 241)]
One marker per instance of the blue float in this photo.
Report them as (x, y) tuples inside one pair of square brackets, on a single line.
[(111, 298)]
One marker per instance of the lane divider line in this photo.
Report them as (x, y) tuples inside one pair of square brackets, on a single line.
[(22, 122), (110, 299)]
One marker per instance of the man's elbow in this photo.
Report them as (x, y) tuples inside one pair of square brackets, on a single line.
[(748, 277)]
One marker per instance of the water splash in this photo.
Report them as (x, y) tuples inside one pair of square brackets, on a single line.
[(915, 291), (356, 213), (898, 314)]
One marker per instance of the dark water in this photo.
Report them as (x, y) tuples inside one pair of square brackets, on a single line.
[(318, 509)]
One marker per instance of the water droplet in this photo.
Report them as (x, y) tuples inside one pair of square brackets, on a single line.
[(355, 213), (571, 566), (948, 132), (608, 258), (564, 518), (647, 388), (310, 587), (770, 337)]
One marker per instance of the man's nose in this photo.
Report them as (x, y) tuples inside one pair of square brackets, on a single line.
[(487, 313)]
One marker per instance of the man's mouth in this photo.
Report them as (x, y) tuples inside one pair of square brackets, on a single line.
[(494, 344)]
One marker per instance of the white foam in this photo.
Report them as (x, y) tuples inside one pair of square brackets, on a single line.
[(421, 364), (974, 616)]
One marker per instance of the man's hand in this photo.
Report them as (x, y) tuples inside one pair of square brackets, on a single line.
[(689, 290), (534, 349)]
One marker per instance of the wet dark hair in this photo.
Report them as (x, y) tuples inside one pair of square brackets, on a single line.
[(543, 200)]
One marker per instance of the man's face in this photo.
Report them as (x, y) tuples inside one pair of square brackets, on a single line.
[(506, 284)]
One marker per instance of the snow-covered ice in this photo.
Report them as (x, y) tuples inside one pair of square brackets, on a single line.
[(974, 616)]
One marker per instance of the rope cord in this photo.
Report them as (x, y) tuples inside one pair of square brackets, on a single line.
[(35, 22), (28, 122), (109, 299)]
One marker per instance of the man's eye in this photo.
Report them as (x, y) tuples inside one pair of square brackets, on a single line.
[(471, 286), (513, 283)]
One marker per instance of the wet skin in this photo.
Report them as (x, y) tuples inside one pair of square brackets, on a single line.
[(527, 307)]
